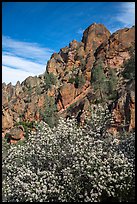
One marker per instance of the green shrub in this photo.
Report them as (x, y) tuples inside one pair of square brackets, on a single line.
[(50, 79), (83, 64), (78, 81), (38, 90), (29, 90), (129, 66), (49, 115), (72, 106), (71, 80), (28, 126), (102, 85)]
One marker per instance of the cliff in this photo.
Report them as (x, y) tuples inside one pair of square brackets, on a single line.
[(67, 80)]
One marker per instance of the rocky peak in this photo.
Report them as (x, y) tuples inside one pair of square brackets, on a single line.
[(115, 50), (94, 36)]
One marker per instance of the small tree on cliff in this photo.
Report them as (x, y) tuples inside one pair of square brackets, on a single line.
[(49, 115), (50, 79), (98, 81), (105, 86), (129, 65), (112, 84)]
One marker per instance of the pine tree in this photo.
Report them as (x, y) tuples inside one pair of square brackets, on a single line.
[(50, 79), (129, 65), (112, 84), (98, 81), (49, 115)]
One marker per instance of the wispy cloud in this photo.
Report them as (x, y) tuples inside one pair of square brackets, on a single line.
[(80, 31), (13, 75), (123, 17), (127, 13), (22, 59), (22, 64), (28, 50)]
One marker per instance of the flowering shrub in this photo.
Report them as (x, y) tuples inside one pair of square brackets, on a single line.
[(69, 163), (100, 120)]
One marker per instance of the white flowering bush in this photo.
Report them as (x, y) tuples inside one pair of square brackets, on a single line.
[(69, 163), (100, 120)]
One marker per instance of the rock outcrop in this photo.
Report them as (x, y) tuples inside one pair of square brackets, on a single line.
[(115, 50), (94, 36), (16, 134), (72, 92)]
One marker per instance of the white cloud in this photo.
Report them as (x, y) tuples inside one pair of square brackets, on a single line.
[(80, 31), (22, 59), (28, 50), (127, 14), (13, 75), (22, 64)]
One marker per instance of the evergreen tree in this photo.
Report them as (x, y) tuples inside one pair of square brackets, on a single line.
[(98, 81), (129, 65), (112, 84), (50, 113), (50, 80)]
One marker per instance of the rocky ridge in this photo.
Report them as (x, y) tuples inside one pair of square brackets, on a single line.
[(73, 92)]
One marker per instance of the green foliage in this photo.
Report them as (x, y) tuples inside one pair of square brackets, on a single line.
[(83, 64), (111, 84), (112, 96), (129, 66), (27, 126), (50, 113), (38, 90), (7, 137), (105, 86), (98, 80), (5, 147), (50, 79), (71, 80), (78, 81), (71, 106), (29, 90)]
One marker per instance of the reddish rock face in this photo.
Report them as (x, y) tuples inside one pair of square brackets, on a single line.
[(124, 112), (68, 93), (77, 59), (132, 115), (115, 50), (94, 36), (54, 66), (7, 120)]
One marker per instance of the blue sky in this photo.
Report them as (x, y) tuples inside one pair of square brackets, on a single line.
[(32, 31)]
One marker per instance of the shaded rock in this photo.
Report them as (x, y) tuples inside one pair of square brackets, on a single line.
[(55, 65), (31, 82), (124, 112), (15, 134), (18, 88), (19, 106), (7, 120), (64, 53)]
